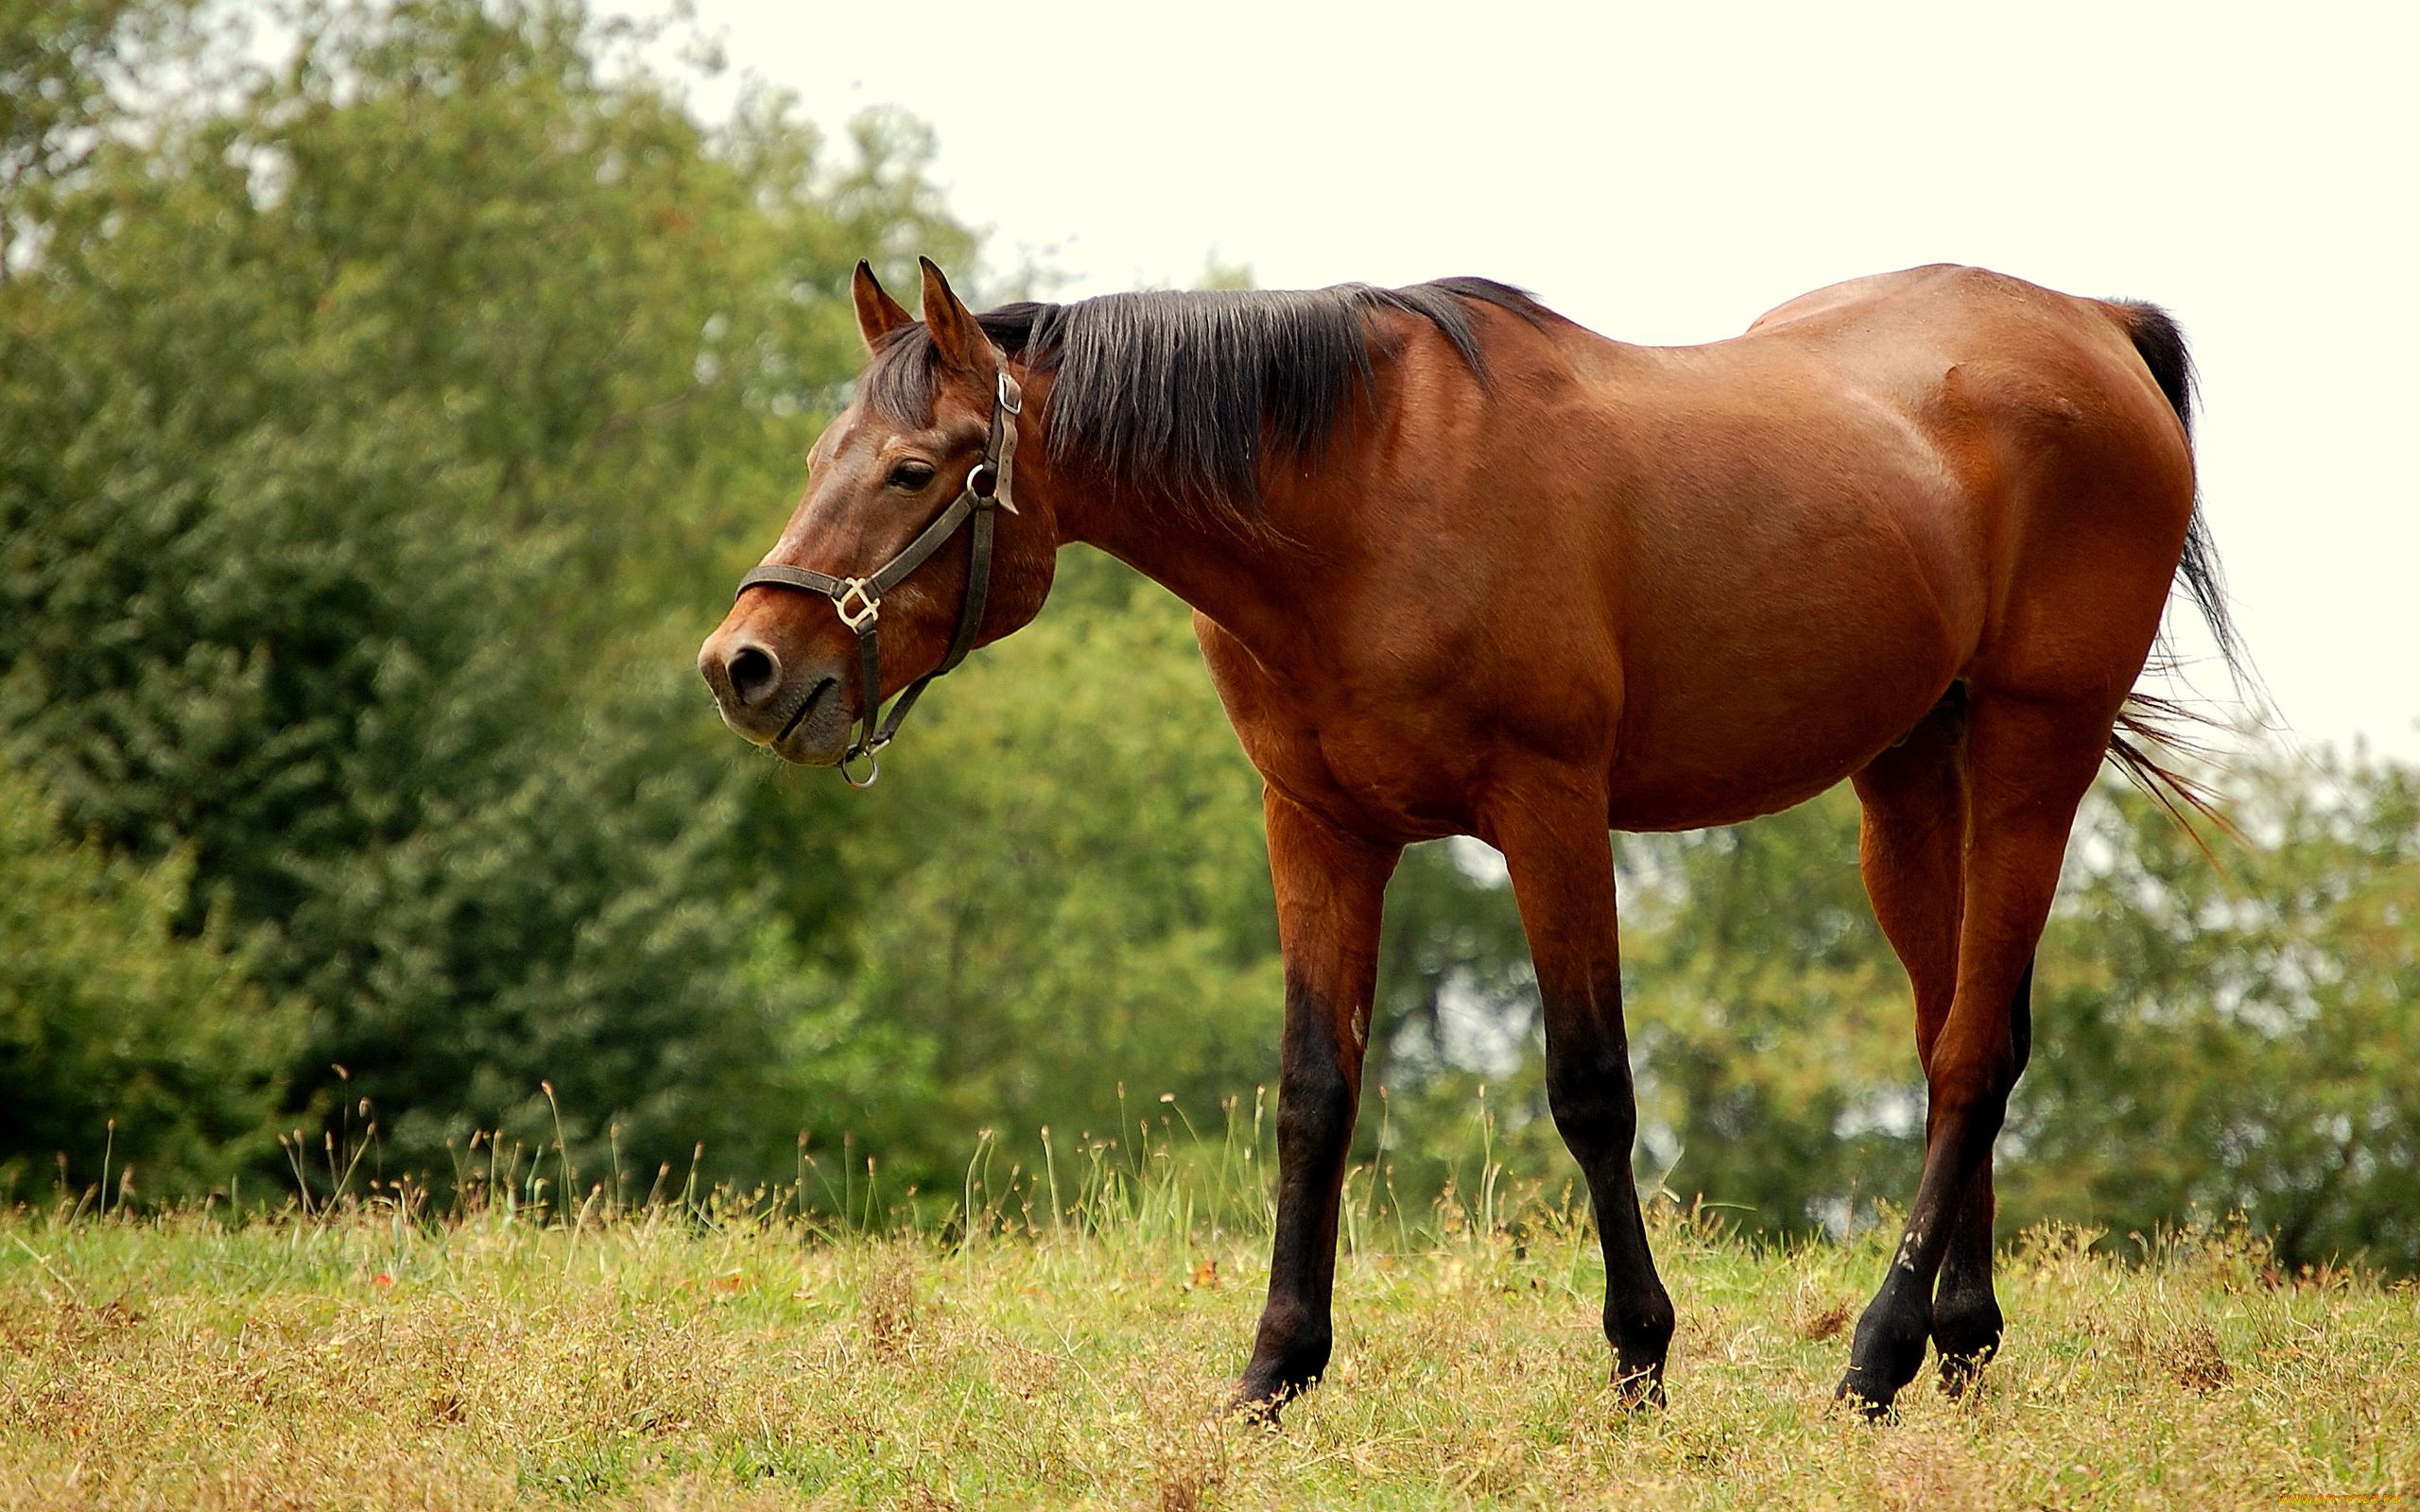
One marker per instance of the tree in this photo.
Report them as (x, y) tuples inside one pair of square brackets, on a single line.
[(1066, 880), (1769, 1031), (354, 440), (2217, 1032), (64, 67), (121, 1039), (1772, 1025), (2235, 1037)]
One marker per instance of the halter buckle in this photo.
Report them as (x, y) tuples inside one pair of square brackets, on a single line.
[(869, 606)]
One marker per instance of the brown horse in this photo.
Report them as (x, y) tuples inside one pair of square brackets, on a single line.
[(1461, 567)]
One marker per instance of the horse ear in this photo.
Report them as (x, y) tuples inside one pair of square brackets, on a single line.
[(960, 340), (878, 314)]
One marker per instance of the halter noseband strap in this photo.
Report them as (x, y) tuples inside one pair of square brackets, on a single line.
[(859, 600)]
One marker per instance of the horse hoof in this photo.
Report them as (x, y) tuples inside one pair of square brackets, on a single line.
[(1961, 1374), (1851, 1396), (1641, 1390), (1257, 1402)]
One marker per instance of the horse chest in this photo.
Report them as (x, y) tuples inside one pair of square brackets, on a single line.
[(1387, 769)]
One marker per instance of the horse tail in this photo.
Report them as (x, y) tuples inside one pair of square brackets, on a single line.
[(2149, 727)]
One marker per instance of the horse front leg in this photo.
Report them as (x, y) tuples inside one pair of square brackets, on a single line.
[(1561, 858), (1331, 888)]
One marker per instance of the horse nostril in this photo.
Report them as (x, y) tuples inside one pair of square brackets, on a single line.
[(754, 672)]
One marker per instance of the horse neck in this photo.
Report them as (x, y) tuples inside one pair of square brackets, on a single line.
[(1255, 581), (1250, 582)]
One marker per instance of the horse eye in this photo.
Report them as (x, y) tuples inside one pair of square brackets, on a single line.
[(911, 474)]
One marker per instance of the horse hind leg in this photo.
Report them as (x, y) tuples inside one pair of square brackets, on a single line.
[(1911, 835), (1915, 830), (1965, 1311), (2026, 768)]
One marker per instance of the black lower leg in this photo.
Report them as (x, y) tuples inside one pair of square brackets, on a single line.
[(1965, 1312), (1891, 1332), (1588, 1086), (1966, 1320), (1889, 1345), (1330, 891), (1970, 1102), (1554, 843), (1316, 1104)]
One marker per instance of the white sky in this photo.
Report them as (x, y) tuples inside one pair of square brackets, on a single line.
[(1664, 173)]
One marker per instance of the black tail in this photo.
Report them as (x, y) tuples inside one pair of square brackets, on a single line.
[(2150, 721), (2161, 344)]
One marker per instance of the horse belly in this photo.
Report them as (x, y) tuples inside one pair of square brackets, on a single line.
[(1747, 703)]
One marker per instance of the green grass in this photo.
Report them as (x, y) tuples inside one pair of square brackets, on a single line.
[(673, 1359)]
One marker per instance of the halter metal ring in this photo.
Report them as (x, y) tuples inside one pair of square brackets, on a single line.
[(982, 480), (868, 608), (873, 767)]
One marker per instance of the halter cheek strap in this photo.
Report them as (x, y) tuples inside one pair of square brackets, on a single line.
[(859, 600)]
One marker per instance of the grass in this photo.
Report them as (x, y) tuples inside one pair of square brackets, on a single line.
[(686, 1357)]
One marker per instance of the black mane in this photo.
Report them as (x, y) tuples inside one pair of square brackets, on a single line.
[(1171, 394)]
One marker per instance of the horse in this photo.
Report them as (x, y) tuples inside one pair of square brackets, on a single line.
[(1460, 566)]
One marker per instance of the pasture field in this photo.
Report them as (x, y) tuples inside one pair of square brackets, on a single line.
[(688, 1358)]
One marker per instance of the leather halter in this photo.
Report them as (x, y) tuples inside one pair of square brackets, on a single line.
[(859, 600)]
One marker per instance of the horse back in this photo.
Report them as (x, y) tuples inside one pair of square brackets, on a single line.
[(1745, 568), (1728, 575)]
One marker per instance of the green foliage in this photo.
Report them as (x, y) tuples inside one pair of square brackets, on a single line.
[(121, 1039), (2210, 1039), (376, 448), (1064, 880), (356, 439), (63, 62), (2214, 1041), (1772, 1025)]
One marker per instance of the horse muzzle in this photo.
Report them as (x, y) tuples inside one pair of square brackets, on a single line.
[(799, 714)]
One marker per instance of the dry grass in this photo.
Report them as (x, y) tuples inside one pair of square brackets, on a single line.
[(363, 1362)]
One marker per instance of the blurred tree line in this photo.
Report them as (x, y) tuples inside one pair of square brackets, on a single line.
[(381, 429)]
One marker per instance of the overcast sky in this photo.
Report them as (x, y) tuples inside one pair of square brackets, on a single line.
[(1663, 173)]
